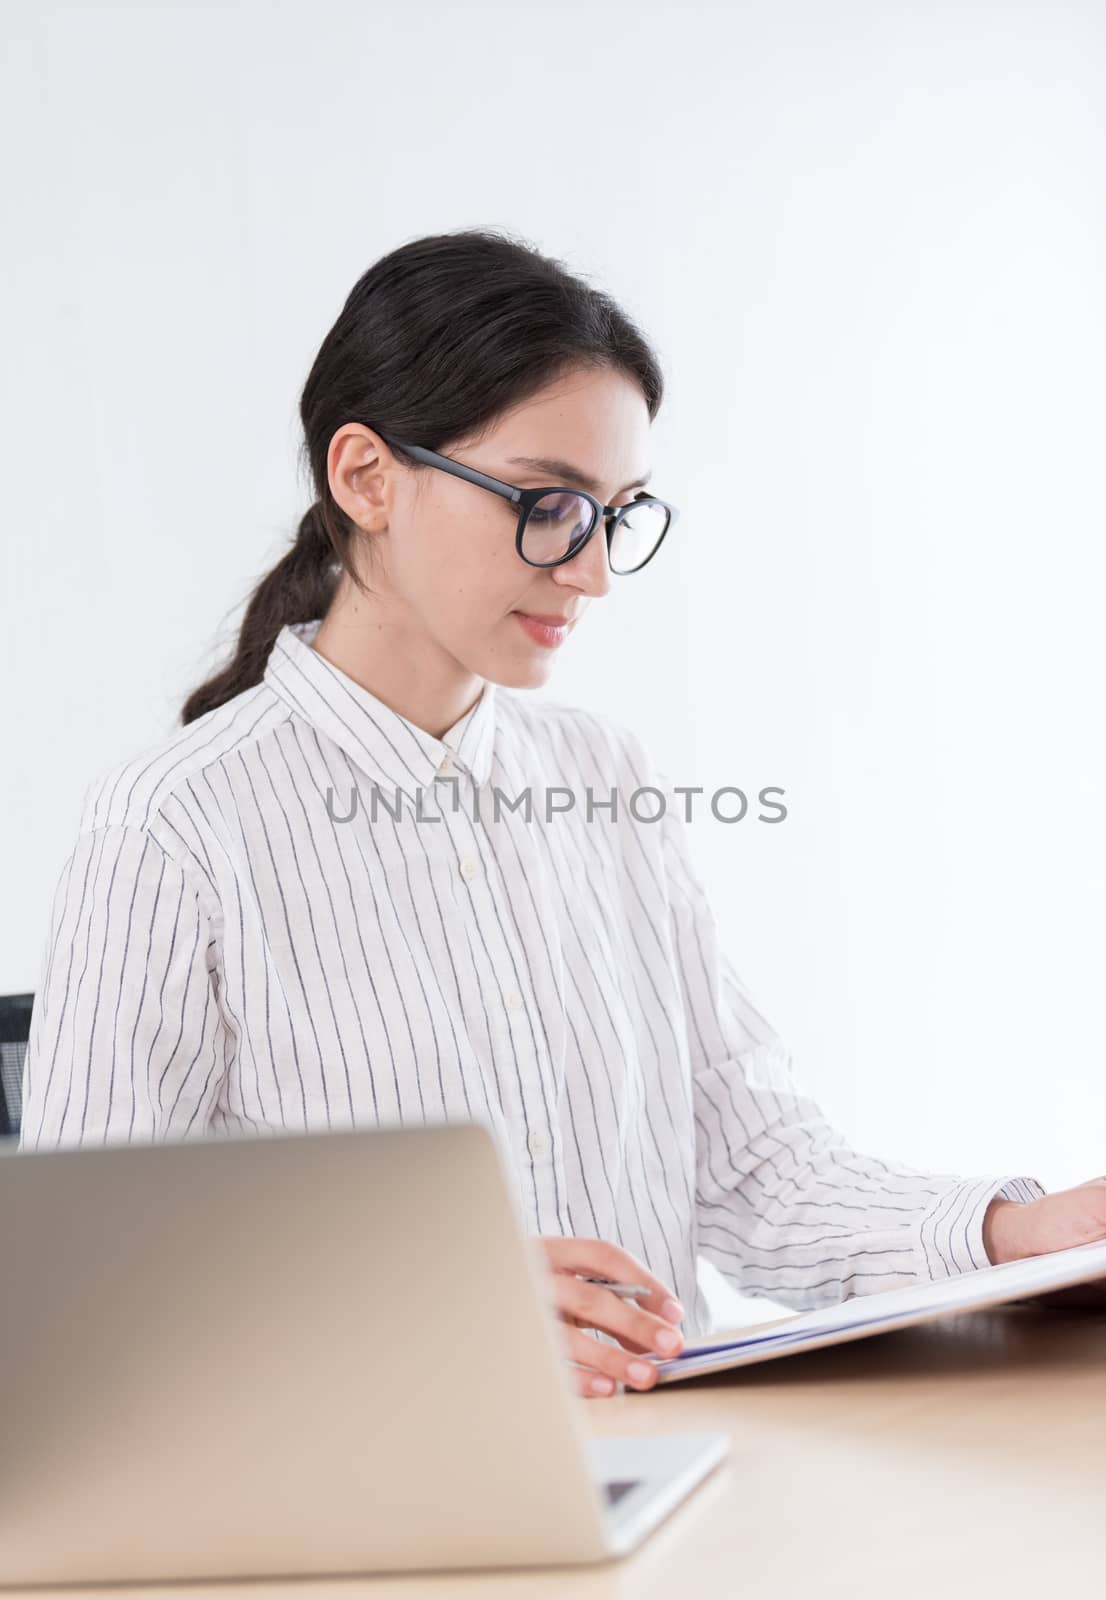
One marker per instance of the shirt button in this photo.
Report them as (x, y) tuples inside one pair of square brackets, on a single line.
[(538, 1144), (469, 869), (447, 769), (514, 1000)]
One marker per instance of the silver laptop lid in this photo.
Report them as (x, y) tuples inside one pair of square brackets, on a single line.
[(280, 1354)]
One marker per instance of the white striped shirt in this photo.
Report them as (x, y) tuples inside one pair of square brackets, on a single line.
[(229, 953)]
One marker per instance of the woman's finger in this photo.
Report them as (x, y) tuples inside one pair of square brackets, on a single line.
[(602, 1360), (598, 1258), (591, 1384), (592, 1306)]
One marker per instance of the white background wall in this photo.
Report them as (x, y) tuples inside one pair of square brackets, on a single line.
[(869, 242)]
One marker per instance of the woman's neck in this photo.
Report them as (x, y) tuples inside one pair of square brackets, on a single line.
[(397, 663)]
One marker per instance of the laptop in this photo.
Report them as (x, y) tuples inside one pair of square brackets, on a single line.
[(293, 1354)]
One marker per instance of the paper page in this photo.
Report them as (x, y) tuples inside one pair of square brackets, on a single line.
[(1012, 1280)]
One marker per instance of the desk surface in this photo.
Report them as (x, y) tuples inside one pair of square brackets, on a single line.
[(963, 1458)]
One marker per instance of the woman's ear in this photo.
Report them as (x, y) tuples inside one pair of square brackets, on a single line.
[(361, 471)]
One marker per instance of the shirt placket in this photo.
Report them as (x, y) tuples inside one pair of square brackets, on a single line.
[(496, 915)]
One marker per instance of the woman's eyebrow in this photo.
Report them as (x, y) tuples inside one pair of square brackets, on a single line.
[(565, 472)]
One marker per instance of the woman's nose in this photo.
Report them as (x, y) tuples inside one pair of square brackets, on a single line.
[(589, 569)]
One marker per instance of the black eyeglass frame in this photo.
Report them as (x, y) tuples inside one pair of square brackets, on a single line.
[(526, 499)]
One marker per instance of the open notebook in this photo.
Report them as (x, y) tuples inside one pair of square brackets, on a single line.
[(867, 1314)]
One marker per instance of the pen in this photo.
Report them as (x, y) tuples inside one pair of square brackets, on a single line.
[(627, 1291)]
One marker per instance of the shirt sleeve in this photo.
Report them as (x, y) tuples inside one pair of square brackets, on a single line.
[(785, 1207), (126, 1037)]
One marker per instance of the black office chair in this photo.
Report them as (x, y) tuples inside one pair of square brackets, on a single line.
[(15, 1030)]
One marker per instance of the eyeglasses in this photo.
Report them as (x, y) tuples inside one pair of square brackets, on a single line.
[(555, 524)]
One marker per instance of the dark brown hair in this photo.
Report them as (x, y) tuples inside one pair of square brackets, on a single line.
[(435, 341)]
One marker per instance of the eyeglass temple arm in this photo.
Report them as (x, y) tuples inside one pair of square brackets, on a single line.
[(508, 491), (460, 470)]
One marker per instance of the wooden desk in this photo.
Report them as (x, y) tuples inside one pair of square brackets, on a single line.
[(959, 1460)]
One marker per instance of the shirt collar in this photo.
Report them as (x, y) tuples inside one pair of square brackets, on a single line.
[(389, 749)]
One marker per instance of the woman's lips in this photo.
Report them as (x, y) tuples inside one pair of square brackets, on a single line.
[(545, 630)]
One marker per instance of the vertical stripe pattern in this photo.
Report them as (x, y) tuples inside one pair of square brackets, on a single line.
[(303, 912)]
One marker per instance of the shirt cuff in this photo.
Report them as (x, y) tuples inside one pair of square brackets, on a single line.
[(951, 1230)]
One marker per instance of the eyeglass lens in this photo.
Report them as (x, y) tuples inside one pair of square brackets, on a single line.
[(560, 521)]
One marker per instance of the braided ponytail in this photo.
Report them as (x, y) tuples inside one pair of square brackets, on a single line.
[(298, 589)]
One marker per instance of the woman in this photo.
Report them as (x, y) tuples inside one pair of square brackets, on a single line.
[(306, 909)]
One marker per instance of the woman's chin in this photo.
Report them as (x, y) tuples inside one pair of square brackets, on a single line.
[(520, 670)]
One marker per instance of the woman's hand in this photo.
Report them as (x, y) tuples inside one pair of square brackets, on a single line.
[(645, 1324), (1012, 1231)]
